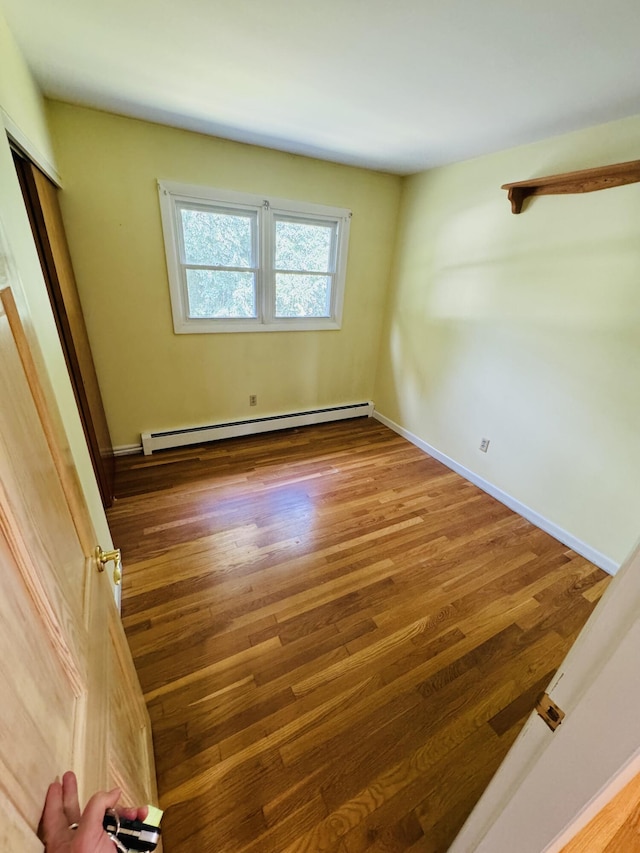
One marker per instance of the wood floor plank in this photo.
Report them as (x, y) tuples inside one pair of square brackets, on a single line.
[(337, 637)]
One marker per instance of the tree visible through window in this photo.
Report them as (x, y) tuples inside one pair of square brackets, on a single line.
[(304, 268), (219, 263), (245, 263)]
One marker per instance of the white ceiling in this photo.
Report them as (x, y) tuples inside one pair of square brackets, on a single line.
[(397, 85)]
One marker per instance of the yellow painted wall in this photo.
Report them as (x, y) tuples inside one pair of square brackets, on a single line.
[(153, 379), (525, 330), (23, 113)]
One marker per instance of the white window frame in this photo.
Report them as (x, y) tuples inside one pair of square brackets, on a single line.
[(267, 210)]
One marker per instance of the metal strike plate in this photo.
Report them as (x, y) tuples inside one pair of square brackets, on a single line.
[(549, 711)]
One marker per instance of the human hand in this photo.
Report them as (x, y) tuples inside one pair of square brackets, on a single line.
[(62, 811)]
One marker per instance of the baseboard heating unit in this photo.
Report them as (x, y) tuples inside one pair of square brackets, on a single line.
[(214, 432)]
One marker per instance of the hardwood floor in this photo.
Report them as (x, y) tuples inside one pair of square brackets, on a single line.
[(338, 638)]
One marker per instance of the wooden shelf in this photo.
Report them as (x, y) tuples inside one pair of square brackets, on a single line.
[(585, 181)]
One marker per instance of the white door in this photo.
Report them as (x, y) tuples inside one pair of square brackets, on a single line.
[(552, 783), (70, 697)]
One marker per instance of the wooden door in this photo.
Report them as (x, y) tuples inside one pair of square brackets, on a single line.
[(41, 200), (70, 696), (551, 784)]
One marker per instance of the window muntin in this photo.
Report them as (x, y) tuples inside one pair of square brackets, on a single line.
[(246, 263)]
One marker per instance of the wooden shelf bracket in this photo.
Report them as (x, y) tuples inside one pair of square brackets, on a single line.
[(584, 181)]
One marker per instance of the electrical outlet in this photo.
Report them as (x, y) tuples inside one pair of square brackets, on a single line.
[(253, 400), (484, 445)]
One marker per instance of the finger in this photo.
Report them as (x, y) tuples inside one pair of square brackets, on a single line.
[(128, 812), (93, 815), (99, 803), (70, 800), (133, 813), (53, 819)]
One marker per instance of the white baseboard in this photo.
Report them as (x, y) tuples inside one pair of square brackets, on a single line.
[(127, 449), (601, 560)]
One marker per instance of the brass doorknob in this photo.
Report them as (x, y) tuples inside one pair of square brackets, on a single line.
[(115, 557)]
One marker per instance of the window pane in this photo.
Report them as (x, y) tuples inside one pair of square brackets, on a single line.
[(217, 239), (214, 293), (300, 246), (303, 295)]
